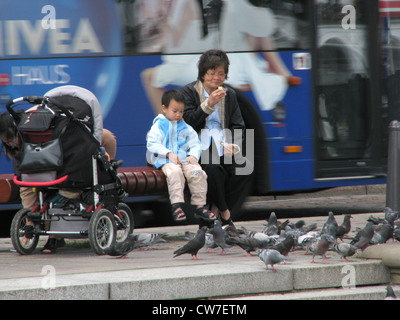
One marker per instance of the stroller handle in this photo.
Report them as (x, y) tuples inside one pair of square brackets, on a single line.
[(30, 99), (35, 100)]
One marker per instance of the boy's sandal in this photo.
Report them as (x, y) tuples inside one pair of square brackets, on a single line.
[(177, 213), (204, 213)]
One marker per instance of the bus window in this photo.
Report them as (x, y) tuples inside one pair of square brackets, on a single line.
[(389, 16), (341, 92)]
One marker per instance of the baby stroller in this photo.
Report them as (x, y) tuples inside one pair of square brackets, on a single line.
[(60, 153)]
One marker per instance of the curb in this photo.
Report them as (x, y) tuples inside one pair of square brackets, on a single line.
[(192, 282)]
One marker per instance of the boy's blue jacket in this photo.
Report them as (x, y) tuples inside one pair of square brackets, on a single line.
[(171, 136)]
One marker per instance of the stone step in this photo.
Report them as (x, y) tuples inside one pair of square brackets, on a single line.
[(245, 277), (354, 293)]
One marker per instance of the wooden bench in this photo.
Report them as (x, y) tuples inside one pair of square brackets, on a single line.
[(136, 181)]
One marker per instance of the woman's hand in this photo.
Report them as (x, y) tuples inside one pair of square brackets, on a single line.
[(216, 96), (230, 148)]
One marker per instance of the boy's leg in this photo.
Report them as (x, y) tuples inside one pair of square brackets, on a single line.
[(175, 182), (197, 182)]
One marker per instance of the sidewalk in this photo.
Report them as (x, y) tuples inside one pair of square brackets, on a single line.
[(78, 273)]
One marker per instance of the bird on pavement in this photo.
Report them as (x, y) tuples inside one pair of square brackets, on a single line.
[(391, 215), (345, 250), (193, 246), (146, 240), (330, 224), (382, 233), (285, 245), (271, 256), (396, 231), (363, 237), (390, 295), (344, 228), (261, 236), (209, 242), (305, 240), (247, 244), (220, 236), (321, 246), (272, 226), (121, 249)]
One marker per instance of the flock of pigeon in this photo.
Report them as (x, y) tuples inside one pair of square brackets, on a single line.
[(277, 239)]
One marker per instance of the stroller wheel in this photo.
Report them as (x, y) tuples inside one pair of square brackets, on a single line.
[(102, 231), (23, 238), (124, 221)]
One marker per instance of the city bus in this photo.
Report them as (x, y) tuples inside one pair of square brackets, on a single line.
[(317, 81)]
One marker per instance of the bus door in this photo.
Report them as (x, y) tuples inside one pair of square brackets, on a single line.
[(348, 112)]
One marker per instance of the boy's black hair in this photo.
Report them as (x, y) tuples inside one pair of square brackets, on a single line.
[(175, 94)]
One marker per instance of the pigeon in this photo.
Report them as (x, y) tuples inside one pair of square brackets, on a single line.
[(396, 232), (233, 231), (345, 250), (284, 246), (121, 249), (282, 226), (305, 240), (391, 215), (272, 227), (344, 228), (382, 233), (331, 230), (321, 246), (364, 236), (298, 230), (330, 224), (220, 236), (193, 246), (189, 235), (271, 256), (247, 244), (262, 237), (210, 243), (299, 224), (146, 240), (390, 295)]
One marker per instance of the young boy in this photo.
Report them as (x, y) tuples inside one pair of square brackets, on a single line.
[(174, 146)]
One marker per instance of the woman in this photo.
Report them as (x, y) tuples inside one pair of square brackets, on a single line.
[(213, 111)]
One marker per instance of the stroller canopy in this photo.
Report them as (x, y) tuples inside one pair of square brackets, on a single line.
[(89, 98)]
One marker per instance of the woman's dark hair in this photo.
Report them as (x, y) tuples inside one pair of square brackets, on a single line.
[(7, 132), (210, 60)]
